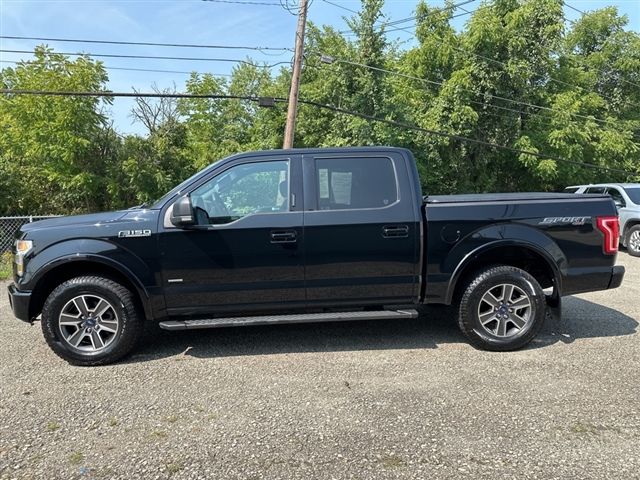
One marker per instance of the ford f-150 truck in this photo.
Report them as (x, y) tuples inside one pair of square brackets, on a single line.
[(310, 235)]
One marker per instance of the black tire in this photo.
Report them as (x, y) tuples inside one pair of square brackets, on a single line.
[(633, 250), (472, 304), (129, 324)]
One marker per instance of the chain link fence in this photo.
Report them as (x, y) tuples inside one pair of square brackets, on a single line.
[(10, 225)]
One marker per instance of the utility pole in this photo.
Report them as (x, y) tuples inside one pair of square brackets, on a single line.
[(292, 109)]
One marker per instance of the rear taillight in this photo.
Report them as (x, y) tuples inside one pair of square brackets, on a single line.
[(610, 227)]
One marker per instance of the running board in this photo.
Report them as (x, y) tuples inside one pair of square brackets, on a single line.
[(279, 319)]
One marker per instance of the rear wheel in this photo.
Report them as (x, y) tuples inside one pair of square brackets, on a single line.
[(501, 309), (633, 241), (91, 320)]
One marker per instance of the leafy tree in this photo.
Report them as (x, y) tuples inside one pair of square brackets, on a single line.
[(47, 144), (516, 75)]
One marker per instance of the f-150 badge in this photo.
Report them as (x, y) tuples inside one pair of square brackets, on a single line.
[(134, 233), (559, 220)]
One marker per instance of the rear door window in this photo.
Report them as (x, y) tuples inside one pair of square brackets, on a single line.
[(355, 182)]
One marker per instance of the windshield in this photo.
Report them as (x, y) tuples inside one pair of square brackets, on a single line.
[(634, 194)]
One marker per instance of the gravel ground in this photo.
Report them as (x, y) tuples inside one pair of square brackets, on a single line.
[(349, 400)]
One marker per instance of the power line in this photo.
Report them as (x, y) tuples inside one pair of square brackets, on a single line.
[(433, 82), (414, 17), (463, 138), (482, 104), (132, 69), (53, 93), (245, 2), (415, 25), (583, 14), (340, 6), (574, 8), (270, 101), (504, 65), (295, 11), (195, 59), (149, 44)]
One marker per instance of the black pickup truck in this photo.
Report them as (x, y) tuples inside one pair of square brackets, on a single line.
[(310, 235)]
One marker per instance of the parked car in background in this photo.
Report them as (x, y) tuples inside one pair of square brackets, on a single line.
[(627, 199)]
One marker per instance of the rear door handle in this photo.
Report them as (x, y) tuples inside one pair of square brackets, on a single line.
[(395, 231), (283, 236)]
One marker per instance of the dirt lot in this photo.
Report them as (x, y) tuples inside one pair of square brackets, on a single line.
[(350, 400)]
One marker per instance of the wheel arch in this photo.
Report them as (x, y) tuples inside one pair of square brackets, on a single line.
[(65, 268), (528, 256)]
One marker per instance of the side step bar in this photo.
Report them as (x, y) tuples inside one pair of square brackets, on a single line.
[(280, 319)]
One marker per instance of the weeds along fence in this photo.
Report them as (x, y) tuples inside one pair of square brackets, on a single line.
[(9, 226)]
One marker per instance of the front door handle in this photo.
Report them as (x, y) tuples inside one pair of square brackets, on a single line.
[(284, 236), (395, 231)]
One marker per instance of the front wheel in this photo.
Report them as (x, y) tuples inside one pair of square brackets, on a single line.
[(502, 308), (633, 241), (91, 320)]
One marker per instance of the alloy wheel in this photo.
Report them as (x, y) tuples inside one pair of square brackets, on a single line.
[(504, 310), (88, 323), (634, 241)]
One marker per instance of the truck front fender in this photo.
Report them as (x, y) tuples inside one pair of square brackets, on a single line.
[(101, 252)]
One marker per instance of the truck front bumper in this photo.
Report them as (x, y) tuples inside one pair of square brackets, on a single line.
[(19, 302), (616, 276)]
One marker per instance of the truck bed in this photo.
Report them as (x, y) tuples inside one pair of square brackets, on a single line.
[(505, 197)]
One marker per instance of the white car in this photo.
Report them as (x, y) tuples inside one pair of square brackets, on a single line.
[(627, 199)]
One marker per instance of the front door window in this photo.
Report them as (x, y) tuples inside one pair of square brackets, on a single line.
[(245, 189)]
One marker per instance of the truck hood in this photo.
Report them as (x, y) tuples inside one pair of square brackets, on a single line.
[(75, 220)]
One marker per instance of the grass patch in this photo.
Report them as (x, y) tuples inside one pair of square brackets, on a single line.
[(53, 426), (6, 267), (159, 434), (113, 421), (580, 427), (172, 418), (76, 458), (174, 467), (392, 461), (583, 428)]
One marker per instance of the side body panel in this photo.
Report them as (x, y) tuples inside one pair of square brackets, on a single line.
[(562, 231), (351, 259)]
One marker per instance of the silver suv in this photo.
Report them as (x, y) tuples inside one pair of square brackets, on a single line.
[(627, 199)]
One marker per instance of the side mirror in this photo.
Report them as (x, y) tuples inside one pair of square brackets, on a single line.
[(618, 203), (182, 213)]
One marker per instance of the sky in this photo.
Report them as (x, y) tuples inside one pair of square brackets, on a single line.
[(261, 23)]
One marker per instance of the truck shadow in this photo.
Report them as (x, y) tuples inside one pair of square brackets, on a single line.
[(584, 319), (435, 327)]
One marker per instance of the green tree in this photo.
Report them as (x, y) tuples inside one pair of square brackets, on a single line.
[(48, 144), (147, 166)]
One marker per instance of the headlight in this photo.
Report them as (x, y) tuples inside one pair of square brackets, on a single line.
[(22, 248)]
